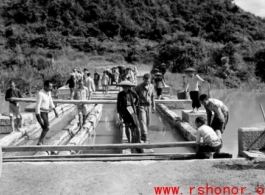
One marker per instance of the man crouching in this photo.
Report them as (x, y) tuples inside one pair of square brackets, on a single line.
[(211, 142)]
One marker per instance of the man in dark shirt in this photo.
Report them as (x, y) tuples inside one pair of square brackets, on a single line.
[(14, 108), (96, 80)]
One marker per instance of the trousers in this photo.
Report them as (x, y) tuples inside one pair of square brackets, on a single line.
[(144, 120)]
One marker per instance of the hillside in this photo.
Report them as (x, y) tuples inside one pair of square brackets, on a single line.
[(180, 33)]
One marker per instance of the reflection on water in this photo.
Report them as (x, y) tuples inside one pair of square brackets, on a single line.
[(161, 131), (106, 131)]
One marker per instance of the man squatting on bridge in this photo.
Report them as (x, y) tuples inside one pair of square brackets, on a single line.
[(14, 107), (211, 141), (220, 111), (44, 102), (146, 94), (81, 93), (127, 103)]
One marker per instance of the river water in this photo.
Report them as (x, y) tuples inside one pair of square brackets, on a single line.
[(244, 111)]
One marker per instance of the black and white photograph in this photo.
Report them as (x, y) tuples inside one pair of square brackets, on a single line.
[(132, 97)]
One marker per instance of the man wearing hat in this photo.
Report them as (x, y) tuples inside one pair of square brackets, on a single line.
[(163, 69), (146, 94), (126, 110), (193, 82)]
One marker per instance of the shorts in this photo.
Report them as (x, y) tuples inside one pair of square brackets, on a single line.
[(219, 125), (14, 110), (158, 91), (204, 150), (82, 109), (194, 96)]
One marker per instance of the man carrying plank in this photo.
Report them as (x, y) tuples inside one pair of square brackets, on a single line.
[(44, 103)]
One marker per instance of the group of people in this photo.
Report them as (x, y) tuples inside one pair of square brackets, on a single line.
[(134, 105), (109, 77), (217, 116)]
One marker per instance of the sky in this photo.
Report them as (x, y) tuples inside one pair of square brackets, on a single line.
[(256, 7)]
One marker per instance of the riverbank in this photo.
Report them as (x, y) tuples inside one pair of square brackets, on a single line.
[(130, 177)]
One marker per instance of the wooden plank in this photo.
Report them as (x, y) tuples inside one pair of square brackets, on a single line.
[(98, 101), (97, 147), (103, 155), (135, 158)]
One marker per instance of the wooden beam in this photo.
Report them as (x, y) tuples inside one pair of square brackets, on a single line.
[(97, 101), (102, 155), (129, 158), (96, 147)]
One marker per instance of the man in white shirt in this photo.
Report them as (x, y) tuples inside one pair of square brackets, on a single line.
[(43, 105), (211, 141), (89, 83)]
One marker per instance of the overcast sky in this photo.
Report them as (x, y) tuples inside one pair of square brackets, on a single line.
[(256, 7)]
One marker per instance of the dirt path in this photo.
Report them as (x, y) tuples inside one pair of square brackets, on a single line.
[(132, 178)]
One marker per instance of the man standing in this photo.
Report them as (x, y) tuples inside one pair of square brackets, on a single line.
[(145, 91), (89, 83), (81, 93), (14, 108), (220, 118), (96, 79), (43, 105)]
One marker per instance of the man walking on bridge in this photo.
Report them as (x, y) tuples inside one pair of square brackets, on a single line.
[(14, 107), (43, 105), (145, 91)]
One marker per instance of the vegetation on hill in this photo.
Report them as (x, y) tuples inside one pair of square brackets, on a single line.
[(35, 34)]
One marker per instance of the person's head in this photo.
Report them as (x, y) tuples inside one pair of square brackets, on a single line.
[(190, 73), (199, 121), (88, 74), (48, 86), (74, 70), (203, 99), (126, 88), (96, 71), (85, 69), (81, 83), (147, 79), (12, 84)]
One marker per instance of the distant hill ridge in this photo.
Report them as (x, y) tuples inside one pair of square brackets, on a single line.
[(180, 32)]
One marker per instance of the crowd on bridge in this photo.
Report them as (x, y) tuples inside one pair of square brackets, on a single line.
[(134, 103)]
